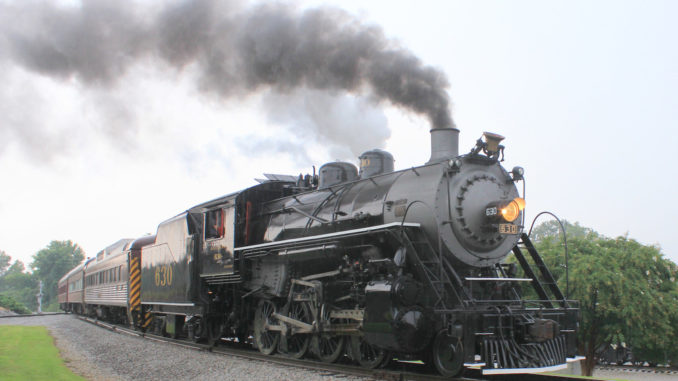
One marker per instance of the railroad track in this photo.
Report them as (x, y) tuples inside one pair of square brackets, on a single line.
[(638, 369), (33, 315), (397, 371)]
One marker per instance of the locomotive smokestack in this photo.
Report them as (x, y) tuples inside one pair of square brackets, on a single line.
[(444, 144)]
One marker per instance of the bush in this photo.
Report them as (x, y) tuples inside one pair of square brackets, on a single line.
[(52, 307), (11, 304)]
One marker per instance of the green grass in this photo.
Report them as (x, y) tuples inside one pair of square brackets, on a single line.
[(28, 353)]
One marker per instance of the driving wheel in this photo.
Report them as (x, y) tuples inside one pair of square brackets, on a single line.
[(265, 339), (329, 347), (297, 344)]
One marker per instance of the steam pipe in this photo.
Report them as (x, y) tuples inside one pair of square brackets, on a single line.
[(562, 229)]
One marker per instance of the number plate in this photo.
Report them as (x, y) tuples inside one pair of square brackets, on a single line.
[(508, 229)]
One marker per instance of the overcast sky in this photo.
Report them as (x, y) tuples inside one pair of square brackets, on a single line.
[(585, 92)]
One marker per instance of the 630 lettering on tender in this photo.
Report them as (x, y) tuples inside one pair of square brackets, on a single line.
[(163, 276)]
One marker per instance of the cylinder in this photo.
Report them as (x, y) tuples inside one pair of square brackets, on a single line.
[(444, 144)]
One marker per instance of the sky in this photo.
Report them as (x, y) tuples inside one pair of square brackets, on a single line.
[(586, 94)]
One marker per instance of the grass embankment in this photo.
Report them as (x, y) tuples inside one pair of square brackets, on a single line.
[(28, 353)]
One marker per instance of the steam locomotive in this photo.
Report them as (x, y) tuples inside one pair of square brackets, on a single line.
[(372, 264)]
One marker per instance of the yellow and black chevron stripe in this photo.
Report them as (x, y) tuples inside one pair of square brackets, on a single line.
[(148, 318), (135, 284), (143, 319)]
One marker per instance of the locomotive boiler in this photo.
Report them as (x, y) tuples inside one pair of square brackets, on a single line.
[(373, 264)]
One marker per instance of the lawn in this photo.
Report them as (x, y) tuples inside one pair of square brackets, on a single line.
[(28, 353)]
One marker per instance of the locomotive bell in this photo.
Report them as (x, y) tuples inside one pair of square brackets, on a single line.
[(492, 140)]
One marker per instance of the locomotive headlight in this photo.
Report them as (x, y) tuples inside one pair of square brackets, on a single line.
[(511, 211)]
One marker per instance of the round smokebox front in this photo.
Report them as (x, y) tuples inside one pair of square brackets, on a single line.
[(471, 235)]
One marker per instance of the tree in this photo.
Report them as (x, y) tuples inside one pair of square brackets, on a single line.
[(551, 229), (15, 268), (17, 285), (52, 262), (4, 262), (627, 291)]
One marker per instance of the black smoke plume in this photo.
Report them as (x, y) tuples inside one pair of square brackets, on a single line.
[(237, 50)]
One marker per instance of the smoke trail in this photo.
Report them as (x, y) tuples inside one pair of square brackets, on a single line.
[(237, 50), (344, 120)]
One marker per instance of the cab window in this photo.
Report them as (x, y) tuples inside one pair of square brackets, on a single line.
[(214, 224)]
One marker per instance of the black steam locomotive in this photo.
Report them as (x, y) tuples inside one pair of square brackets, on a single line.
[(376, 264)]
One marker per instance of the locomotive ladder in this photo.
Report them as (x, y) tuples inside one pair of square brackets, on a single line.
[(548, 278), (437, 271)]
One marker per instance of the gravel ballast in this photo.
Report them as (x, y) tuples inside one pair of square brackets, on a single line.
[(99, 354)]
